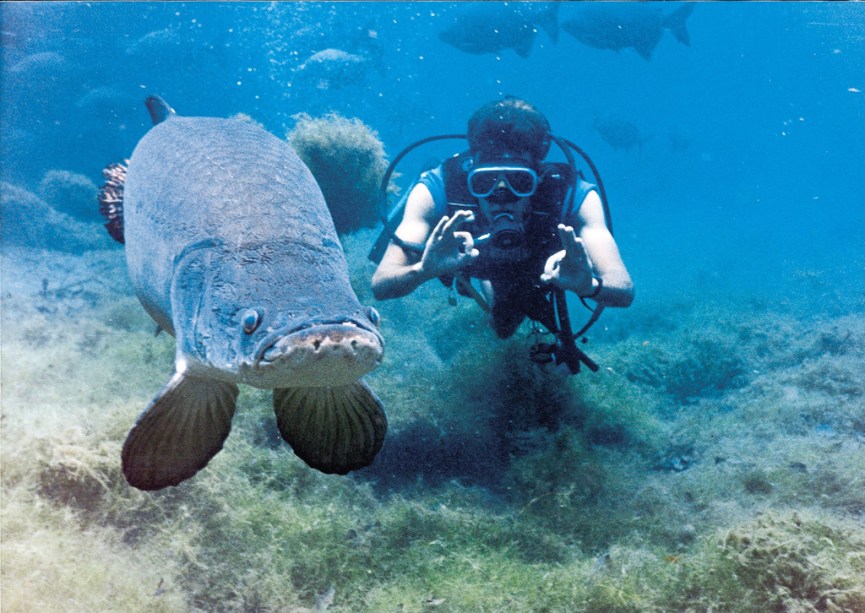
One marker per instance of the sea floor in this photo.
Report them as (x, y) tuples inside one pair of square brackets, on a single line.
[(716, 462)]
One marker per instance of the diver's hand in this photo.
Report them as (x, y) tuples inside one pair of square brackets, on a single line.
[(449, 249), (570, 268)]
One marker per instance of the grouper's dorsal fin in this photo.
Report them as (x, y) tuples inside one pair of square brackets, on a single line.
[(159, 109)]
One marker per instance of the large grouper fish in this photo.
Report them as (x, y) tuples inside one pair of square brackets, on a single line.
[(230, 248)]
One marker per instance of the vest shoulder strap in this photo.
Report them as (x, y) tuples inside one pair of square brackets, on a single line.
[(434, 180), (582, 190)]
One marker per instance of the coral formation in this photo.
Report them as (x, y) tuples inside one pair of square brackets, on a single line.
[(29, 221), (348, 160), (70, 193)]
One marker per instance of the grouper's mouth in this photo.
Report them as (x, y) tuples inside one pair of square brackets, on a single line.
[(318, 353)]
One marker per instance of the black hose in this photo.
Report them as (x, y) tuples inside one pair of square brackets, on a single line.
[(385, 183), (566, 147), (571, 354), (601, 190)]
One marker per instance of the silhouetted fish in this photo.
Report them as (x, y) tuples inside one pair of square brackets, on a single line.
[(618, 133), (333, 68), (231, 249), (159, 43), (635, 25), (490, 27), (39, 65)]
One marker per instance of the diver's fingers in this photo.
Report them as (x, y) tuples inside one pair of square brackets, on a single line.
[(467, 246), (573, 245), (439, 230), (567, 236), (457, 219), (551, 267)]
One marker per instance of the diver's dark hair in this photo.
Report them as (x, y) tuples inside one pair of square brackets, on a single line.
[(509, 124)]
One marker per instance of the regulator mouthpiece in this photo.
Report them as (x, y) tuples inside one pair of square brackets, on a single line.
[(506, 232)]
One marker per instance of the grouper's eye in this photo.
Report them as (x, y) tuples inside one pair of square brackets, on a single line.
[(374, 317), (251, 320)]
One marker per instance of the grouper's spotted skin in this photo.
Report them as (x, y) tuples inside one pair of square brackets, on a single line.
[(230, 248)]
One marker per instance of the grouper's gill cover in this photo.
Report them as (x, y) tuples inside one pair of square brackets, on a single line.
[(230, 248)]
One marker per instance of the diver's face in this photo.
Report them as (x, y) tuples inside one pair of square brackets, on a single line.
[(503, 186), (492, 207)]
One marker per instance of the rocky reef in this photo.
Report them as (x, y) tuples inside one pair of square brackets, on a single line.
[(348, 161)]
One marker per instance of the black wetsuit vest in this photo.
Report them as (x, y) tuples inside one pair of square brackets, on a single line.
[(449, 187), (514, 273)]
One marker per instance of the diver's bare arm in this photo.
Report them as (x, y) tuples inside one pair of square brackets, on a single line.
[(445, 251), (607, 265), (612, 285), (445, 248), (398, 274), (589, 263)]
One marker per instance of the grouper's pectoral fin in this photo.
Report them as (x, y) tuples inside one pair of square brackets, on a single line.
[(333, 429), (179, 432)]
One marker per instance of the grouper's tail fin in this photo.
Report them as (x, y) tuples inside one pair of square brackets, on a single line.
[(675, 22), (333, 429), (110, 199), (549, 21), (159, 109), (179, 432)]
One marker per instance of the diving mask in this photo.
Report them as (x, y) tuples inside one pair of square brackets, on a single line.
[(520, 180)]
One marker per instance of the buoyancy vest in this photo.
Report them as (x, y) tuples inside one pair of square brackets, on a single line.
[(449, 188)]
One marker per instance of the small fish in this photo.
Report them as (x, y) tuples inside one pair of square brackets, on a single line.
[(156, 44), (230, 248), (629, 25), (619, 134), (332, 68), (492, 27), (39, 65)]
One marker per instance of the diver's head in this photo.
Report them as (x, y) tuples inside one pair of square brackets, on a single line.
[(509, 125), (508, 140)]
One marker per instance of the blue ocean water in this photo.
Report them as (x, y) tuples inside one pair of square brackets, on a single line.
[(750, 165)]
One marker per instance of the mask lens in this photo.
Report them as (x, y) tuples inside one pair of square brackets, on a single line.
[(521, 182), (482, 182)]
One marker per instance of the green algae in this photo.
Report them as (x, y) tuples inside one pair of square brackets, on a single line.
[(787, 561), (30, 221), (501, 486), (70, 193)]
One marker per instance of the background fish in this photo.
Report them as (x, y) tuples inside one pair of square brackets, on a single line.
[(230, 248), (604, 26), (333, 68), (619, 133), (493, 27)]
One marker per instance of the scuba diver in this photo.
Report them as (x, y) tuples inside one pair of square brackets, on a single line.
[(526, 229)]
